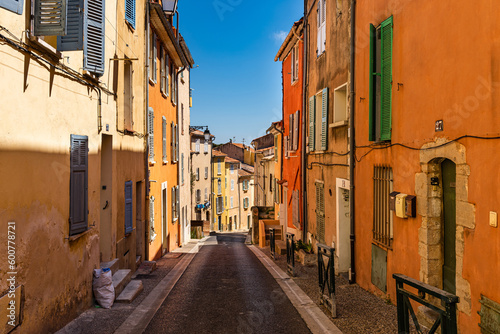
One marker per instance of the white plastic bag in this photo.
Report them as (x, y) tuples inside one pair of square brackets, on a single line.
[(104, 291)]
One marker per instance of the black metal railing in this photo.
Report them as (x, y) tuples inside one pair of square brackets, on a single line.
[(326, 275), (290, 254), (272, 242), (447, 316)]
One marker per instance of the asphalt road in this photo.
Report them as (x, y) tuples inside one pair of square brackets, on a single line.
[(226, 289)]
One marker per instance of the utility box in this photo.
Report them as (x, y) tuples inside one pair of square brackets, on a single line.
[(392, 200), (401, 206), (411, 206)]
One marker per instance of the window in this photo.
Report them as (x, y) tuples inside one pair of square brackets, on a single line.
[(219, 188), (206, 173), (318, 121), (175, 142), (231, 168), (163, 71), (152, 233), (151, 141), (182, 168), (340, 105), (225, 183), (164, 138), (197, 174), (78, 203), (130, 12), (248, 222), (197, 146), (245, 203), (380, 105), (206, 146), (232, 184), (175, 203), (127, 95), (382, 217), (220, 205), (321, 27), (182, 119), (219, 167), (128, 208), (174, 86), (15, 6), (198, 196), (295, 63), (65, 19), (232, 206), (225, 201), (275, 148), (320, 212), (271, 178), (206, 194), (153, 53), (293, 131)]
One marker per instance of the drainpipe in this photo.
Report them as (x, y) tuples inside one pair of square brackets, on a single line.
[(352, 144), (303, 216), (146, 158)]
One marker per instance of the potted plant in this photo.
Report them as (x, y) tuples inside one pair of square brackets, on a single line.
[(305, 253)]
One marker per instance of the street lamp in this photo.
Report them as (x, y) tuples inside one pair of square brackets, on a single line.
[(169, 6)]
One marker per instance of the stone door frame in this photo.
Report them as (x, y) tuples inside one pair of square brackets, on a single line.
[(430, 207)]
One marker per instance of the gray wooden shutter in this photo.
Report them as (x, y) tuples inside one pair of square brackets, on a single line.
[(130, 12), (324, 120), (296, 131), (176, 143), (152, 234), (164, 133), (172, 200), (128, 208), (73, 40), (154, 56), (15, 6), (50, 18), (151, 134), (162, 69), (320, 212), (93, 37), (172, 140), (177, 202), (312, 122), (290, 130), (78, 185)]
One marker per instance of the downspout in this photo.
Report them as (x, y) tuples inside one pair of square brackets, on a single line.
[(146, 157), (352, 144), (303, 215)]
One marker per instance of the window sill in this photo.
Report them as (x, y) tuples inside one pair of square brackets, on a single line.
[(320, 55), (129, 233), (152, 163), (152, 82), (165, 162), (165, 96), (130, 26), (78, 236), (295, 82), (338, 124), (46, 47)]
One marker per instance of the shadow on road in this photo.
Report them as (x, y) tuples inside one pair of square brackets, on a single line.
[(231, 238)]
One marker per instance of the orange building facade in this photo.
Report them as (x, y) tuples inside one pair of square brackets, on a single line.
[(426, 103), (291, 56)]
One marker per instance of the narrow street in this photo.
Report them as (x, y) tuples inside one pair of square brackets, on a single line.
[(226, 289)]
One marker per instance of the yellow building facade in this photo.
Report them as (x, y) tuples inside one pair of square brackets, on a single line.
[(219, 198)]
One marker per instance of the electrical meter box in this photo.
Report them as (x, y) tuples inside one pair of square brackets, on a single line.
[(392, 200), (411, 206), (401, 206)]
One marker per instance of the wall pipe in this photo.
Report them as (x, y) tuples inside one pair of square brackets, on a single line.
[(352, 144), (146, 112)]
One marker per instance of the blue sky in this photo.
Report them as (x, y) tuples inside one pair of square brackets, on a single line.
[(237, 86)]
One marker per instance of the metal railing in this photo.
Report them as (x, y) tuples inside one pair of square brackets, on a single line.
[(290, 254), (447, 315), (272, 243), (326, 275)]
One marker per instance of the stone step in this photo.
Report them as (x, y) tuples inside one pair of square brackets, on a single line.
[(114, 265), (120, 280), (133, 289)]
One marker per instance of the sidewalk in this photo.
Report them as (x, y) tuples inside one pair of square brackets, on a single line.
[(358, 311), (168, 269)]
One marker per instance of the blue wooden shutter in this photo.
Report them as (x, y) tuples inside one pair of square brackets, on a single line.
[(312, 122), (372, 78), (324, 120), (15, 6), (386, 80), (78, 216), (73, 40), (50, 17), (128, 207), (130, 12), (93, 37)]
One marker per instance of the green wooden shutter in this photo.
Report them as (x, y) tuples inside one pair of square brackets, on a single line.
[(73, 40), (93, 37), (386, 80), (130, 12), (78, 209), (312, 122), (15, 6), (324, 120), (372, 78), (50, 17), (128, 208)]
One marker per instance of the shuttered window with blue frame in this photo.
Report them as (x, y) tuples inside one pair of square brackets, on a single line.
[(78, 207), (15, 6), (130, 12), (129, 226), (49, 17), (73, 40), (93, 37)]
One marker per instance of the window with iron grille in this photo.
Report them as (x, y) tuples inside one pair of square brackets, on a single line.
[(382, 217)]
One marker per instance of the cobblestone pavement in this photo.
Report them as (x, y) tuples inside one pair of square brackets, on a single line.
[(358, 311)]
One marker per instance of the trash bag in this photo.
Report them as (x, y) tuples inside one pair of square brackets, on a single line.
[(104, 291)]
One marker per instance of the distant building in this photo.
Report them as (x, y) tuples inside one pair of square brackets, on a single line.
[(201, 176), (264, 170), (240, 152)]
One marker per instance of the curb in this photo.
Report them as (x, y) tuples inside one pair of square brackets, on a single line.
[(314, 318)]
